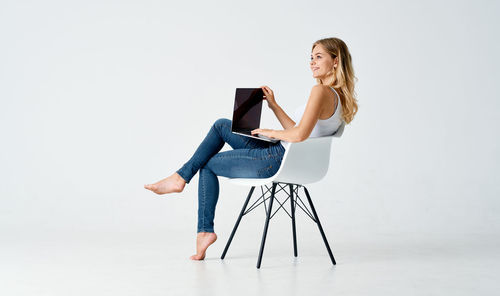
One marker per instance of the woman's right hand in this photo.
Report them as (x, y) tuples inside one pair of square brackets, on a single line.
[(269, 97)]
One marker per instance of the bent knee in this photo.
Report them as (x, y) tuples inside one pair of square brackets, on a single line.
[(222, 122)]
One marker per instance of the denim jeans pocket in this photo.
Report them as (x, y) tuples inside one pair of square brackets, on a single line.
[(269, 170), (265, 172)]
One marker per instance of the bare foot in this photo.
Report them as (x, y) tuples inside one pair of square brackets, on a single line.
[(203, 241), (174, 183)]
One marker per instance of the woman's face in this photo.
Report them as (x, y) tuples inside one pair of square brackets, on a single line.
[(321, 63)]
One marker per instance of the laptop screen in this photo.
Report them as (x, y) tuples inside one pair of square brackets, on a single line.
[(247, 109)]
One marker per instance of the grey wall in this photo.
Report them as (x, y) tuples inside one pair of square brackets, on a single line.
[(101, 97)]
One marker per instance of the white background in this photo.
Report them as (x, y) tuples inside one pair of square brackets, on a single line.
[(98, 98)]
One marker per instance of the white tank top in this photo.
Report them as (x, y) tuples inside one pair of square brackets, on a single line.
[(324, 127)]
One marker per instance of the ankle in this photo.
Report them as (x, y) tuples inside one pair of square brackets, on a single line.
[(206, 234), (179, 178)]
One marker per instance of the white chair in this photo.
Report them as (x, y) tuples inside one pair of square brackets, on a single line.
[(304, 162)]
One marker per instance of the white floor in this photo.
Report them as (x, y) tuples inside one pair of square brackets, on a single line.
[(89, 263)]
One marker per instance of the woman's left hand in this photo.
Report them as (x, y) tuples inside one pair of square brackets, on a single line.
[(265, 132)]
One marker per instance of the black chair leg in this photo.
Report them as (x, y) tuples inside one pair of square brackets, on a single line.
[(266, 225), (292, 203), (237, 222), (319, 226)]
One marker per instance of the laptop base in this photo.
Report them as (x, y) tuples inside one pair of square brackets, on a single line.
[(258, 136)]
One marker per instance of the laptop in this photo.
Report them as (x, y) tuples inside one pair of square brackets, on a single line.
[(247, 112)]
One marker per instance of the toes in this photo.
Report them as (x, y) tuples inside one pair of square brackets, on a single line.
[(150, 187), (197, 257)]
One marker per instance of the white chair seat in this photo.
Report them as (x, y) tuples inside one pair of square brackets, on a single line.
[(304, 162)]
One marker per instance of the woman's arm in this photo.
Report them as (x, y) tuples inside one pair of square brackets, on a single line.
[(317, 99), (283, 118)]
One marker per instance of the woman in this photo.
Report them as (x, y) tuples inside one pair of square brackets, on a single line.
[(332, 100)]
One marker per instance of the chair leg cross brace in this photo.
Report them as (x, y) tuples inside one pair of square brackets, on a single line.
[(294, 198), (262, 200)]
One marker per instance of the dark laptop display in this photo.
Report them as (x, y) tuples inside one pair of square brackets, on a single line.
[(247, 112), (247, 109)]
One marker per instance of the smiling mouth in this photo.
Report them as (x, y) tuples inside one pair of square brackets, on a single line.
[(314, 69)]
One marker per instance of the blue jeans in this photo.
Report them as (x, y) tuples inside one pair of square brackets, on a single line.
[(250, 158)]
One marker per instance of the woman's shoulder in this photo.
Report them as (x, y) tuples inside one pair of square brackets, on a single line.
[(324, 93), (321, 88)]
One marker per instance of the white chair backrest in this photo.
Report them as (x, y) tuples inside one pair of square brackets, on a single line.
[(307, 161), (339, 131)]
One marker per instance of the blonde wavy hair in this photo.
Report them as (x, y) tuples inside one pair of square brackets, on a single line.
[(344, 76)]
